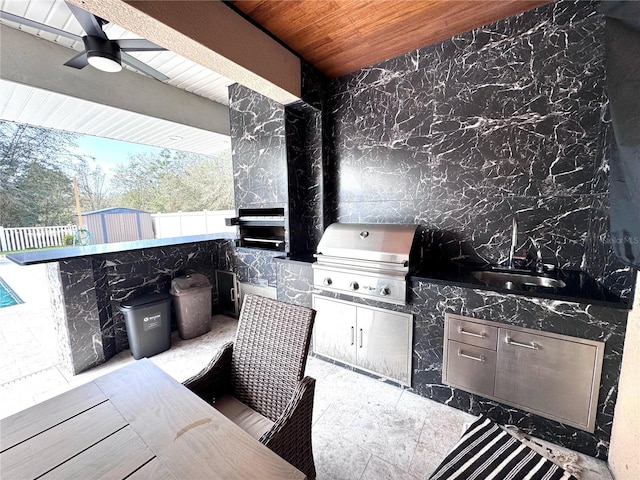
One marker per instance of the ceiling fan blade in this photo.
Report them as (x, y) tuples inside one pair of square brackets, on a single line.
[(79, 61), (88, 21), (143, 67), (138, 45), (40, 26)]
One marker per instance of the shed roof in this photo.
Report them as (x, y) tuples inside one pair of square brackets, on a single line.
[(115, 210)]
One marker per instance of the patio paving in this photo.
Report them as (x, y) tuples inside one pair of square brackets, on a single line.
[(363, 428)]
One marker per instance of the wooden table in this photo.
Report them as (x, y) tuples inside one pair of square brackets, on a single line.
[(134, 423)]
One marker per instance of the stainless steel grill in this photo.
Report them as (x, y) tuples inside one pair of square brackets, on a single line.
[(366, 260)]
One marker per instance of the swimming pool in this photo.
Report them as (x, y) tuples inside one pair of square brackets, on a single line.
[(7, 296)]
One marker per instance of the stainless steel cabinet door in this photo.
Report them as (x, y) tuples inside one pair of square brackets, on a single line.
[(227, 285), (334, 330), (549, 375), (383, 341)]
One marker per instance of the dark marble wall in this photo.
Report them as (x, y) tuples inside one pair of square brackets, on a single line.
[(294, 282), (258, 149), (506, 120), (277, 162), (83, 314), (304, 170)]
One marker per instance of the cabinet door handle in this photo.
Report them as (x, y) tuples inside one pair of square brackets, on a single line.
[(232, 293), (462, 331), (530, 345), (360, 338), (470, 357), (353, 335)]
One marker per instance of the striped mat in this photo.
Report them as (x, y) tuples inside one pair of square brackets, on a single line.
[(487, 452)]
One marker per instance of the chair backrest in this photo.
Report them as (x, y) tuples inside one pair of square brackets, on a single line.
[(270, 353)]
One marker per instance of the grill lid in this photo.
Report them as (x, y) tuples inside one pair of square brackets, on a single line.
[(389, 243)]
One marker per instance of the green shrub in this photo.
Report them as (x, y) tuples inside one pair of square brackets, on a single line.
[(67, 239)]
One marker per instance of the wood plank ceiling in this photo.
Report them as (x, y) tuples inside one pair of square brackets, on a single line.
[(341, 36)]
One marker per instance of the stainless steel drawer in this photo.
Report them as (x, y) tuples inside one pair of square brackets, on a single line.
[(472, 333), (471, 368), (552, 376)]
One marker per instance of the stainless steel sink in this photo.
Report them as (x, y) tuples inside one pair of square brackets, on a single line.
[(508, 279)]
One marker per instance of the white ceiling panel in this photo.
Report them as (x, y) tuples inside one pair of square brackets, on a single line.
[(32, 106), (25, 104), (182, 73)]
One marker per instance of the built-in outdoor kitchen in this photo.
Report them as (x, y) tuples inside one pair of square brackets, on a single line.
[(446, 212)]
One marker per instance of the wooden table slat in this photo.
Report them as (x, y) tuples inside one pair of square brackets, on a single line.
[(185, 433), (27, 423), (52, 447), (154, 470), (114, 458)]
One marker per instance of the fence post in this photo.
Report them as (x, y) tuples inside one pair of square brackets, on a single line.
[(3, 241)]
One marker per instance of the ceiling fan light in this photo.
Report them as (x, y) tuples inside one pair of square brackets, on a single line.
[(104, 63), (102, 54)]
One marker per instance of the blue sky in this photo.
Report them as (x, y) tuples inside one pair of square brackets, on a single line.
[(109, 153)]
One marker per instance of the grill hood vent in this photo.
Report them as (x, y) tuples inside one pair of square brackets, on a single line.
[(388, 243)]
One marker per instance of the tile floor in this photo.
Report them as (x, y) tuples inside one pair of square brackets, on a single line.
[(363, 429)]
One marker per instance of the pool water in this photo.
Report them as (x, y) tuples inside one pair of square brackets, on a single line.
[(7, 296)]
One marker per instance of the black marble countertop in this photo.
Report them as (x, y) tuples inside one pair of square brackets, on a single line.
[(580, 287), (57, 254)]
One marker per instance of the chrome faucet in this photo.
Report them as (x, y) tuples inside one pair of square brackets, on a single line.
[(539, 262), (514, 242)]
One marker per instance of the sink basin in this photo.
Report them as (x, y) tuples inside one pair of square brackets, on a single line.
[(508, 278)]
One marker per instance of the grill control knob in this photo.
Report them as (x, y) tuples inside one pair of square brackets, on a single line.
[(327, 281), (385, 290), (354, 286)]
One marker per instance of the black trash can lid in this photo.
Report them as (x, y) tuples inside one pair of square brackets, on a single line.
[(145, 300)]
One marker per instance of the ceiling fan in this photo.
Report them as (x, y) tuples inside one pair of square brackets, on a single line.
[(99, 52)]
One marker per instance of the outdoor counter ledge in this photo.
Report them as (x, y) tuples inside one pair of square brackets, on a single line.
[(580, 287), (57, 254)]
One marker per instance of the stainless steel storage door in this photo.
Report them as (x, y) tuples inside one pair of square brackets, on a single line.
[(384, 343), (334, 330), (546, 374)]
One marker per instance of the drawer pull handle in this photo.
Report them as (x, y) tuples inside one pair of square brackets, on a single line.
[(531, 345), (471, 334), (470, 357)]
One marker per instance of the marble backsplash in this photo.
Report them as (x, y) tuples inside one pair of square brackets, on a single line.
[(258, 149), (507, 120)]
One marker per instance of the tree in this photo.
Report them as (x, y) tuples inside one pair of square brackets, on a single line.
[(93, 186), (32, 162), (175, 181), (49, 197)]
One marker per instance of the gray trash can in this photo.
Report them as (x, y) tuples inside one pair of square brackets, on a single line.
[(148, 322), (192, 300)]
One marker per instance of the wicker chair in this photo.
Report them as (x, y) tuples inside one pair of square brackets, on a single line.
[(263, 369)]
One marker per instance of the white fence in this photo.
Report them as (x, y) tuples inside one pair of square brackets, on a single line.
[(179, 224), (24, 238)]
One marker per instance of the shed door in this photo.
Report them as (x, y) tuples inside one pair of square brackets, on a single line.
[(121, 227)]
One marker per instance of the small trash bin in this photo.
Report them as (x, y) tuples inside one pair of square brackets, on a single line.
[(148, 322), (192, 300)]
